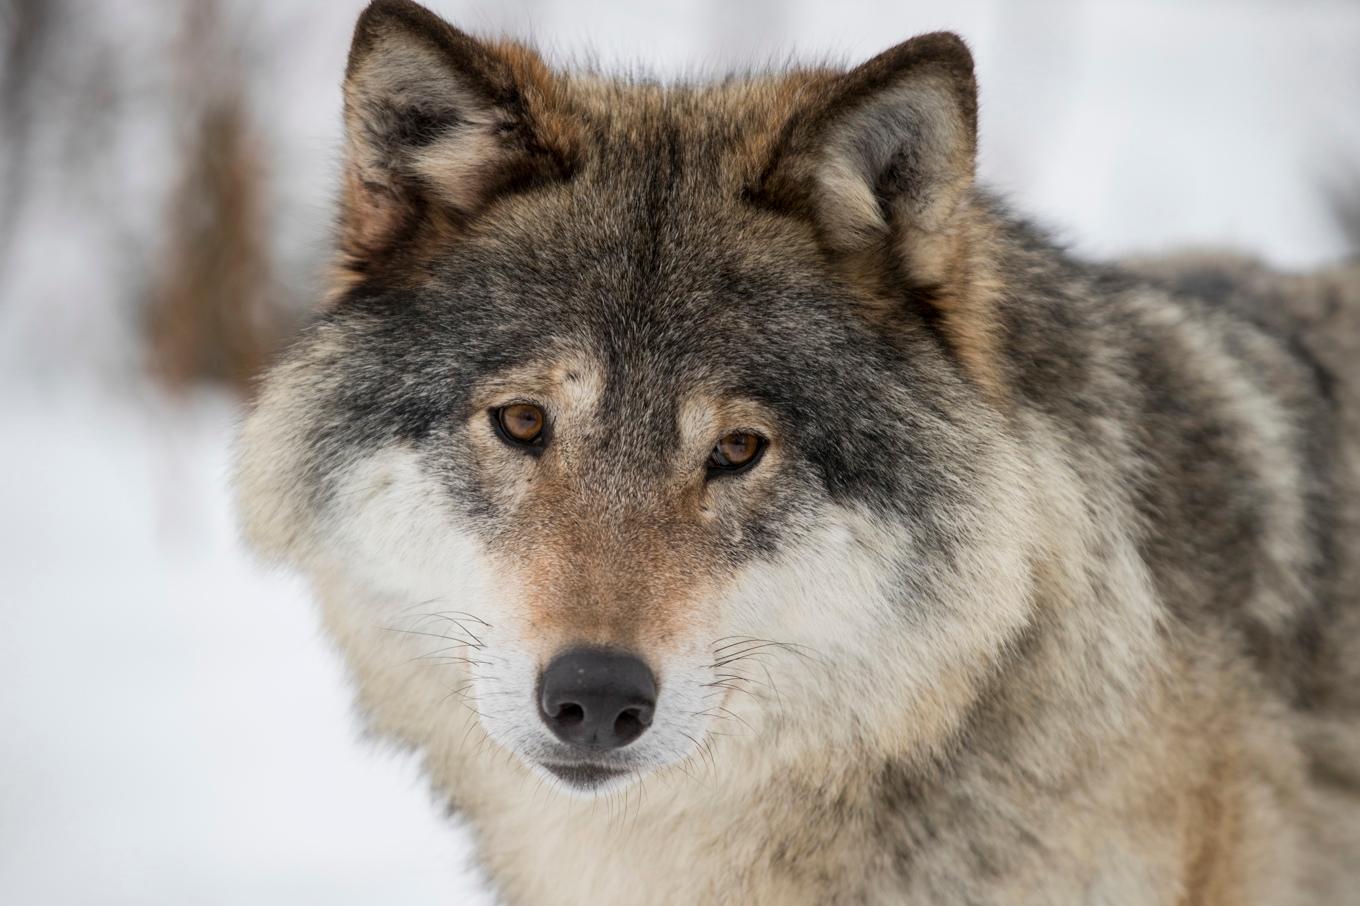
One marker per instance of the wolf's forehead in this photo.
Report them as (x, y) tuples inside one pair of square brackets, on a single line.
[(722, 130), (640, 293), (649, 319)]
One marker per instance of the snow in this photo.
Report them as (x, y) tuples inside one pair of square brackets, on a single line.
[(176, 730)]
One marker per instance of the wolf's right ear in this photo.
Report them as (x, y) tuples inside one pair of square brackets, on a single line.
[(884, 152), (881, 161), (437, 125)]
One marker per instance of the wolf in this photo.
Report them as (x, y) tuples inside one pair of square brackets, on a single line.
[(731, 501)]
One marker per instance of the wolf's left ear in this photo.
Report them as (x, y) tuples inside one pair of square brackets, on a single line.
[(438, 124), (884, 151)]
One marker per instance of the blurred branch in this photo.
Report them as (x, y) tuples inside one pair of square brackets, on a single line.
[(27, 28)]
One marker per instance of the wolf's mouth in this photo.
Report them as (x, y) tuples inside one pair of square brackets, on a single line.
[(584, 776)]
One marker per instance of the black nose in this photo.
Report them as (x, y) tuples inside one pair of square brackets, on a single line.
[(596, 698)]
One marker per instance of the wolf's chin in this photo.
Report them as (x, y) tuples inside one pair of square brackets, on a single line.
[(584, 779)]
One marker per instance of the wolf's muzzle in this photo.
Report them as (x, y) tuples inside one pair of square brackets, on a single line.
[(597, 699)]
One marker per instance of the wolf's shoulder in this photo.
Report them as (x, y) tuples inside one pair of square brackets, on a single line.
[(1316, 311)]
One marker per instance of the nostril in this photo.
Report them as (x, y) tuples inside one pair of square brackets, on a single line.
[(569, 714), (630, 723)]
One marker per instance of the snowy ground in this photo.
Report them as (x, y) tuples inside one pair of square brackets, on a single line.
[(174, 729)]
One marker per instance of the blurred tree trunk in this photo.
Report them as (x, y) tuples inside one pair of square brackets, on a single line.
[(25, 27), (210, 316)]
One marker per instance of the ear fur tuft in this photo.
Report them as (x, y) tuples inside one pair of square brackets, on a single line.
[(890, 144), (437, 122)]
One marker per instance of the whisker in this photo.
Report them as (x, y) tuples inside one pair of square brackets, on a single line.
[(779, 699), (460, 692), (791, 647), (732, 659), (429, 618), (426, 603), (701, 748), (432, 635), (726, 715), (750, 646), (707, 748), (466, 615), (741, 677), (446, 660), (439, 656), (752, 640)]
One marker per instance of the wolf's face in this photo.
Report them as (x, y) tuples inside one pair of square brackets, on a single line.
[(638, 418)]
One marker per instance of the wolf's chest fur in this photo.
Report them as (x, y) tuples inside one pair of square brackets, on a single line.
[(732, 502)]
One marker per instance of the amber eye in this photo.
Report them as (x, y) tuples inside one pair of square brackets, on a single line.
[(735, 452), (520, 424)]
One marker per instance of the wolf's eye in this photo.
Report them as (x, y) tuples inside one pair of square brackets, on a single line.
[(520, 424), (735, 452)]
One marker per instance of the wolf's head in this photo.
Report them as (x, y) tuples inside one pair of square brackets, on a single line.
[(655, 413)]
